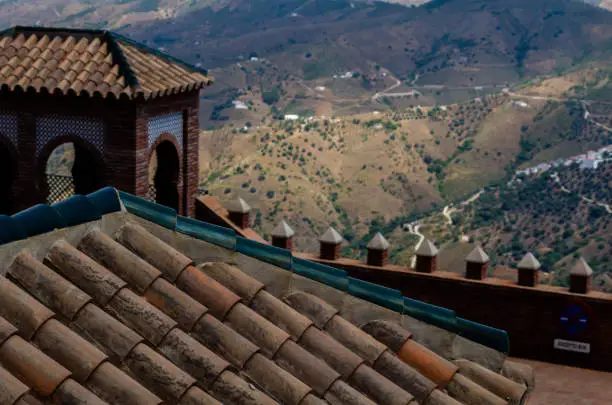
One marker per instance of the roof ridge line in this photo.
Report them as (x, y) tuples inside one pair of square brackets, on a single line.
[(154, 51), (124, 66)]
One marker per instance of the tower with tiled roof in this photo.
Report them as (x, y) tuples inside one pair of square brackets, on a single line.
[(130, 113)]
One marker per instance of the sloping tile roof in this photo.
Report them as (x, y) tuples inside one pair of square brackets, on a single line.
[(89, 62), (107, 312)]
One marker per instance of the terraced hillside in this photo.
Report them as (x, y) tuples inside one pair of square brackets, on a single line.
[(375, 171)]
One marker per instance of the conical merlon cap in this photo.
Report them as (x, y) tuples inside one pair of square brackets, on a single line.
[(581, 268), (529, 262), (331, 236), (477, 256), (427, 249), (238, 206), (378, 242), (282, 230)]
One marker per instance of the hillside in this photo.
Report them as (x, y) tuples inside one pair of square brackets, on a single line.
[(379, 170), (532, 215), (119, 13), (109, 14), (307, 45)]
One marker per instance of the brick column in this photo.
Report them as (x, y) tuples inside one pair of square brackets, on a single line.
[(191, 160), (580, 277), (239, 213), (529, 271), (330, 245), (282, 236), (125, 149), (426, 257), (476, 264), (378, 251)]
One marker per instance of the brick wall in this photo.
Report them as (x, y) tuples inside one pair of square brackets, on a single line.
[(188, 104), (125, 156), (531, 316)]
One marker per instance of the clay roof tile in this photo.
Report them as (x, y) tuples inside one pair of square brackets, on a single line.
[(21, 309), (11, 389), (79, 51)]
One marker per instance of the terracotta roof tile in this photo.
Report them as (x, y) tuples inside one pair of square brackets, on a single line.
[(141, 316), (175, 303), (257, 329), (131, 268), (335, 354), (21, 310), (199, 361), (40, 281), (231, 277), (11, 389), (69, 349), (170, 261), (207, 291), (148, 73), (205, 334), (85, 272), (71, 393), (280, 314), (224, 340), (113, 385), (31, 366), (111, 335)]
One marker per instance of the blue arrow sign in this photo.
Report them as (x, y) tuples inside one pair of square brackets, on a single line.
[(574, 319)]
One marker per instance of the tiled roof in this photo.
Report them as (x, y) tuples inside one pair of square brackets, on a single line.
[(89, 62), (112, 308)]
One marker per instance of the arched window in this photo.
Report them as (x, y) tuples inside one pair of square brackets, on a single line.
[(164, 170), (72, 168)]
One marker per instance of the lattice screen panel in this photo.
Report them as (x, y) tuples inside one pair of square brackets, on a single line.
[(50, 127), (8, 127), (171, 123)]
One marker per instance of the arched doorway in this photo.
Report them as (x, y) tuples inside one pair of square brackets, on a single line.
[(8, 173), (72, 168), (164, 168)]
